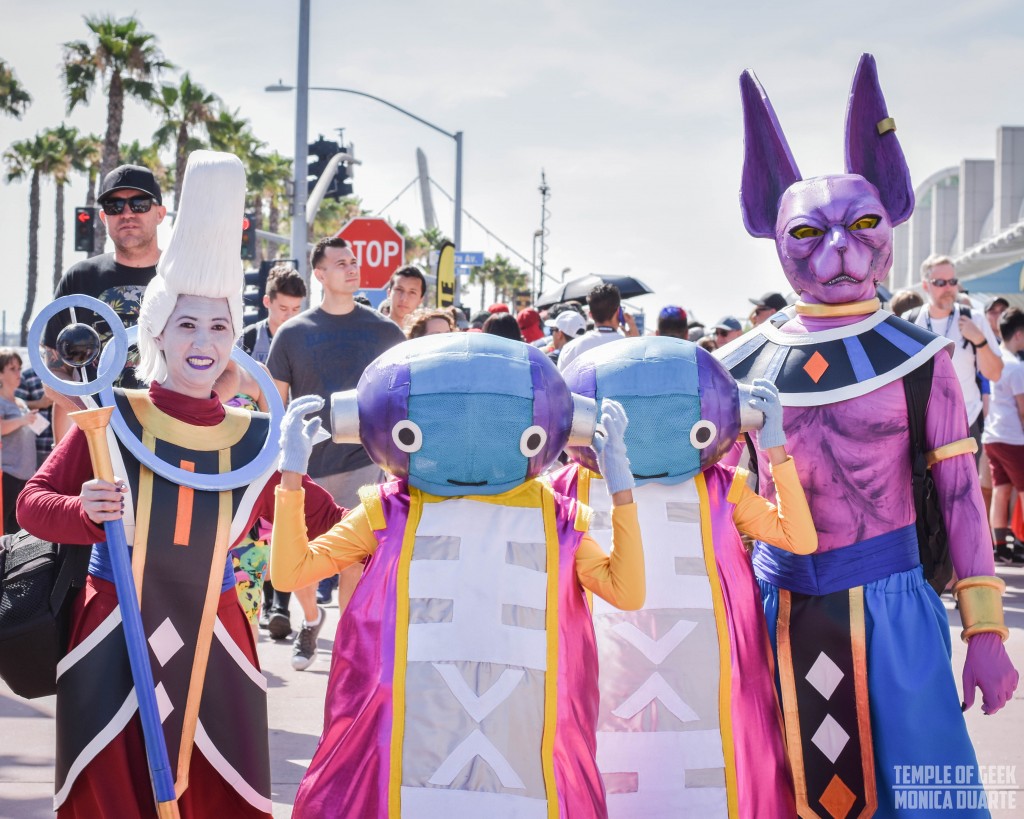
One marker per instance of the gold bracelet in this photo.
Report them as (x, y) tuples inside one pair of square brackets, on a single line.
[(965, 446), (981, 609)]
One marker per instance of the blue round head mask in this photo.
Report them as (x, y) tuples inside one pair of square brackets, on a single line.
[(463, 413), (682, 405)]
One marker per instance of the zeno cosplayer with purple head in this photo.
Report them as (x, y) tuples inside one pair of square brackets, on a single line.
[(861, 639), (464, 676)]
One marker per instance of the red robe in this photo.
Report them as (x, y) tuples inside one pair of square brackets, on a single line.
[(116, 781)]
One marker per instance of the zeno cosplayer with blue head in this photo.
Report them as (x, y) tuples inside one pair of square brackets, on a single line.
[(689, 722), (464, 676)]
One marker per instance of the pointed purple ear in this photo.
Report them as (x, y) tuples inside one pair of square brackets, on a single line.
[(872, 149), (768, 166)]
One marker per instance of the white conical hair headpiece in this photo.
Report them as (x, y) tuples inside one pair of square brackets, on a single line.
[(203, 257)]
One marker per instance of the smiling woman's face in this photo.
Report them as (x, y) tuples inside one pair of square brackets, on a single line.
[(196, 342)]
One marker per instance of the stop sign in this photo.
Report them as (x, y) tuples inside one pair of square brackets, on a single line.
[(378, 247)]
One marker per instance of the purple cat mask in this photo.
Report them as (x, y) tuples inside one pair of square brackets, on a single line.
[(833, 234)]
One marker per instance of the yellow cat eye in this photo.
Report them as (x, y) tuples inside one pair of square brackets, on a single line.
[(866, 223), (806, 232)]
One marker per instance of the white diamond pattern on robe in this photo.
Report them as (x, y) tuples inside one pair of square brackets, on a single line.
[(163, 702), (830, 738), (165, 642), (825, 675)]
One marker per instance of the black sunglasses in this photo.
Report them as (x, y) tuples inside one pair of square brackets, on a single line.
[(138, 204), (944, 282)]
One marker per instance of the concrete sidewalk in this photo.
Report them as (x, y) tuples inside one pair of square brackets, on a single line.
[(296, 717)]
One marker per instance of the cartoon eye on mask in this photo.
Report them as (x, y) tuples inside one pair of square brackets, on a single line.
[(407, 436), (532, 440), (806, 232), (865, 222), (703, 434)]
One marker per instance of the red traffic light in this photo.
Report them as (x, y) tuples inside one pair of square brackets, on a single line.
[(245, 223), (84, 216)]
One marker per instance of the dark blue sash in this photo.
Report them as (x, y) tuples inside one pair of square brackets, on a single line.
[(826, 572)]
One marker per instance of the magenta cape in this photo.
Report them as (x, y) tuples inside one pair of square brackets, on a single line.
[(464, 675)]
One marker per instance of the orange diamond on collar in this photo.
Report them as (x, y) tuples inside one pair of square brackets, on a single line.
[(816, 366), (838, 798)]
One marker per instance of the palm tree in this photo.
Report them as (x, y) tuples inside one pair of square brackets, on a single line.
[(503, 276), (126, 61), (186, 107), (135, 153), (29, 159), (278, 174), (14, 99), (268, 175), (230, 132), (67, 151), (334, 213)]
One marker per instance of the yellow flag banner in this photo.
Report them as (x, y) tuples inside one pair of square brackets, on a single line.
[(446, 275)]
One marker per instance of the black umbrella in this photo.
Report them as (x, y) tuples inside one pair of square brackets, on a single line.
[(577, 289)]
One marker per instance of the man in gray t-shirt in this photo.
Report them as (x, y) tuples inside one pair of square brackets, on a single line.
[(319, 352)]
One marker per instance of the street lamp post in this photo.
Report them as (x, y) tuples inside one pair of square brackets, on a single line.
[(300, 171), (457, 136)]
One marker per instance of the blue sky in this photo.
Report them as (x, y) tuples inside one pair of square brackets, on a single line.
[(631, 109)]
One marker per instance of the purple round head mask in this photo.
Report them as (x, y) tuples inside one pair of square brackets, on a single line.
[(463, 413), (682, 405), (833, 234)]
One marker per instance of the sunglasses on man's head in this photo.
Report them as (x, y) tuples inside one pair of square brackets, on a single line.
[(944, 282), (138, 204)]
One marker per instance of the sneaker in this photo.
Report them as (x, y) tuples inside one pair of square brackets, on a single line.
[(325, 588), (304, 648), (1003, 553), (279, 624)]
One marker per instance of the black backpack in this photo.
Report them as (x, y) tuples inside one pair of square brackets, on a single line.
[(932, 540), (38, 583)]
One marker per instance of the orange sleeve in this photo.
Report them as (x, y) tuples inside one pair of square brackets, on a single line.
[(619, 577), (787, 525), (296, 562)]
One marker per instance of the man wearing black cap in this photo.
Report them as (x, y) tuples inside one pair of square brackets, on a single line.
[(765, 307), (131, 208)]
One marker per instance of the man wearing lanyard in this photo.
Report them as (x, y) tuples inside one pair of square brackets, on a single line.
[(976, 349)]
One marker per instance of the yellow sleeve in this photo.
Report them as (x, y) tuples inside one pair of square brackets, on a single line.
[(296, 563), (788, 525), (619, 577)]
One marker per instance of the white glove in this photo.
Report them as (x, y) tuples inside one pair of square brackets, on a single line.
[(610, 444), (298, 434)]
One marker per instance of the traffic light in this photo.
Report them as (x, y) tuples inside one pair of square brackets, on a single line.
[(320, 153), (256, 287), (342, 185), (249, 236), (252, 294), (85, 224)]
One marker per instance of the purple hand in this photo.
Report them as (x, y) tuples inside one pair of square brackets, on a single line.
[(989, 668)]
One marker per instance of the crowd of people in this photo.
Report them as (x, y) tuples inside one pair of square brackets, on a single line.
[(187, 305)]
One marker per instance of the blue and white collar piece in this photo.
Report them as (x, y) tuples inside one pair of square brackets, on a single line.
[(812, 369)]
